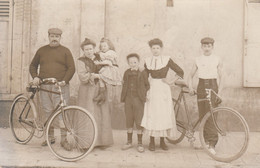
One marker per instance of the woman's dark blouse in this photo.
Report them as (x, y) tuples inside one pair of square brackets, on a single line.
[(162, 73)]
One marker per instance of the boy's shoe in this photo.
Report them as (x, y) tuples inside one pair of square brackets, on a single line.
[(212, 150), (127, 146), (45, 142), (140, 148)]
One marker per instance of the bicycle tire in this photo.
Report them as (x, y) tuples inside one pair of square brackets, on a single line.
[(76, 136), (234, 133), (182, 131), (16, 125)]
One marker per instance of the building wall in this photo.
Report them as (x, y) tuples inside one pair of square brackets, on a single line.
[(181, 28), (130, 24)]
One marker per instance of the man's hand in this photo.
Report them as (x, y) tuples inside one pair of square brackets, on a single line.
[(62, 83), (36, 81)]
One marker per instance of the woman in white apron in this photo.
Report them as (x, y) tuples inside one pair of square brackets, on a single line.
[(159, 119)]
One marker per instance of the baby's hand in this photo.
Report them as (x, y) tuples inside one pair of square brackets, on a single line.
[(97, 62), (148, 96)]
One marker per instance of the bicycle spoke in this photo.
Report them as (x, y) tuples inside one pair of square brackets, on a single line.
[(78, 140), (233, 143)]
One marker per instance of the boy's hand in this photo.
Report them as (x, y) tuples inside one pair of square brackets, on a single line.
[(97, 62), (192, 91)]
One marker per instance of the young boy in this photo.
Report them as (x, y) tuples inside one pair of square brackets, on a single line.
[(135, 86), (209, 70)]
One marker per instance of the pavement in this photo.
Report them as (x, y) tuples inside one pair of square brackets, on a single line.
[(179, 156)]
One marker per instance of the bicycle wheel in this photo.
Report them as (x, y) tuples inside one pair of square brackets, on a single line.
[(233, 141), (78, 138), (21, 119), (179, 122)]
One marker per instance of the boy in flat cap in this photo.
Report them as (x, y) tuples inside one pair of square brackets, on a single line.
[(55, 61), (209, 69)]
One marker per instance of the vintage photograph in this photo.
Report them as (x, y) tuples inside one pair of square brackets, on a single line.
[(129, 83)]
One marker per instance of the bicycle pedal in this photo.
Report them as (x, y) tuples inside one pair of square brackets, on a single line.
[(29, 120)]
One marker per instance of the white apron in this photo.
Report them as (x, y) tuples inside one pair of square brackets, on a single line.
[(159, 117)]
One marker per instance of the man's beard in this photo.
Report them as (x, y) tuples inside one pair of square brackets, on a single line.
[(54, 43)]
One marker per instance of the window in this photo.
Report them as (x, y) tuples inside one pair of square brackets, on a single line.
[(169, 3), (4, 9)]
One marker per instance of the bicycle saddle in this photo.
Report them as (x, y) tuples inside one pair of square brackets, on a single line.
[(181, 83)]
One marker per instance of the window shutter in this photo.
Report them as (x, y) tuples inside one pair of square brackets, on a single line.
[(4, 8)]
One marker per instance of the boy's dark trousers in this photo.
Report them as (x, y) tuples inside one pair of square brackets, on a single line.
[(134, 109), (210, 131)]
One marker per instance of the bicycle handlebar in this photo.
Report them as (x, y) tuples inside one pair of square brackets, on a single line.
[(208, 97), (54, 81), (49, 81), (46, 81)]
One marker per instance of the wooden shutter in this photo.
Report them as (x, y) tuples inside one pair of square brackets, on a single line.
[(252, 44), (5, 41), (4, 9)]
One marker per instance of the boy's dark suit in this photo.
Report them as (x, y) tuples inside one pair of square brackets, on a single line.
[(133, 94)]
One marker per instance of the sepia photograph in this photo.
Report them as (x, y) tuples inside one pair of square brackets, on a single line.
[(129, 83)]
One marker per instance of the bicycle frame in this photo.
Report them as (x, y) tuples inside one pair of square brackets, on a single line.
[(192, 127), (60, 106), (178, 101)]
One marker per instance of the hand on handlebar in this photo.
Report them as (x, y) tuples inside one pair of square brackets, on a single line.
[(62, 83), (36, 81)]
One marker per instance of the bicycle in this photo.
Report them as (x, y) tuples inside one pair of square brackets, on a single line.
[(66, 123), (231, 127)]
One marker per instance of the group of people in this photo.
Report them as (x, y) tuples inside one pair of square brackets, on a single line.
[(146, 95)]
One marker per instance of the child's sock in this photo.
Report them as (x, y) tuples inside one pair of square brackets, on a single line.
[(139, 138), (129, 137)]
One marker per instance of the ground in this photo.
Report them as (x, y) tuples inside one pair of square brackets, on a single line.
[(179, 156)]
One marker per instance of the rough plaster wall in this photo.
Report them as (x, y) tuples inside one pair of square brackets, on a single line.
[(132, 23), (48, 14)]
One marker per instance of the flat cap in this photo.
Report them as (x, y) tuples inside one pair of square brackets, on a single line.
[(55, 31), (207, 40)]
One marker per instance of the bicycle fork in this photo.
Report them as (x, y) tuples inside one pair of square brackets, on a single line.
[(66, 125), (208, 91)]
